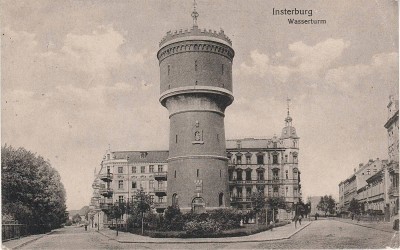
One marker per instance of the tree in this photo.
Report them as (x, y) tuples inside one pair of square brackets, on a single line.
[(76, 218), (141, 204), (32, 192), (274, 203), (258, 203), (354, 206), (327, 204)]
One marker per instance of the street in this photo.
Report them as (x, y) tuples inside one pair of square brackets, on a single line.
[(320, 234)]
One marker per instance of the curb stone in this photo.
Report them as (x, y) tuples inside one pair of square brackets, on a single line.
[(202, 242)]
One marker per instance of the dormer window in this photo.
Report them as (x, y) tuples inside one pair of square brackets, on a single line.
[(143, 155)]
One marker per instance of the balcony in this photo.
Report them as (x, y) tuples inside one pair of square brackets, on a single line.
[(160, 191), (106, 192), (160, 176), (107, 177), (105, 206), (160, 205), (240, 199)]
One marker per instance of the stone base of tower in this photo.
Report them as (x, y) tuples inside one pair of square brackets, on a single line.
[(198, 183)]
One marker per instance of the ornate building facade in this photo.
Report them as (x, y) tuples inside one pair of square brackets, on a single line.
[(376, 184), (269, 166)]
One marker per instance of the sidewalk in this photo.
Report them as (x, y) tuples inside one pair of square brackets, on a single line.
[(17, 243), (279, 233), (381, 226)]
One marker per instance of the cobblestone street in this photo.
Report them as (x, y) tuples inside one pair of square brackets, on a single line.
[(320, 234)]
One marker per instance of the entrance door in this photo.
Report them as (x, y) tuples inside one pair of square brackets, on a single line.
[(198, 205)]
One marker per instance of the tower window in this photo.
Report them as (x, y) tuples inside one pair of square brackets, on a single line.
[(120, 184), (221, 199), (195, 65), (120, 170), (176, 138), (133, 169), (175, 174), (169, 69), (133, 184), (239, 159), (198, 172)]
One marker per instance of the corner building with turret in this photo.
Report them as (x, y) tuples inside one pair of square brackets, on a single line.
[(196, 88)]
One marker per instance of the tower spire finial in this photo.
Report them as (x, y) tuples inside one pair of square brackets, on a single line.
[(288, 106), (195, 15)]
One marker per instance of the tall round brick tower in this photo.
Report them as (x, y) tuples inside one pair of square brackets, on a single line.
[(196, 88)]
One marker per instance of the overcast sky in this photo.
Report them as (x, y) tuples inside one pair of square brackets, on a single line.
[(80, 75)]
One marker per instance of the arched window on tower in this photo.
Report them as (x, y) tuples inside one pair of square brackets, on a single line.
[(174, 200), (195, 65), (221, 199)]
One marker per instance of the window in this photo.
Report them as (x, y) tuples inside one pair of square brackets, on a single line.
[(248, 175), (175, 173), (221, 199), (248, 192), (108, 170), (248, 159), (275, 174), (108, 156), (286, 158), (239, 174), (160, 168), (195, 65), (176, 138), (120, 184), (238, 145), (239, 159), (174, 200), (287, 174), (260, 159), (295, 158), (275, 145), (143, 155), (120, 170), (160, 199), (198, 172), (151, 169), (275, 159), (260, 175), (222, 69), (151, 184), (133, 170), (368, 171), (375, 170), (239, 194), (121, 199), (230, 174), (169, 69), (142, 169), (133, 184)]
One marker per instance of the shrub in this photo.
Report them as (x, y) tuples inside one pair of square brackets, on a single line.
[(202, 228), (226, 218)]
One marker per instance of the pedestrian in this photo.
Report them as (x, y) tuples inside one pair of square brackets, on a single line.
[(295, 219), (316, 216), (85, 227), (300, 220)]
